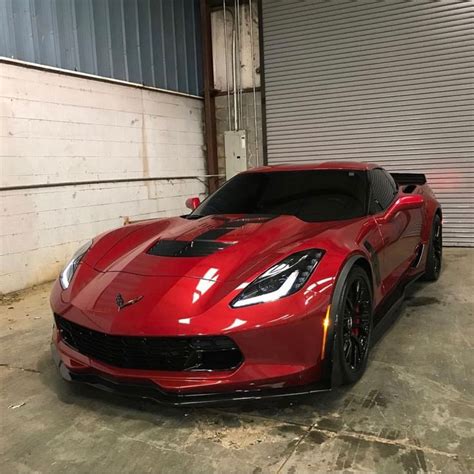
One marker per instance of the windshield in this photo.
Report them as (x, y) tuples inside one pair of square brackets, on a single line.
[(311, 195)]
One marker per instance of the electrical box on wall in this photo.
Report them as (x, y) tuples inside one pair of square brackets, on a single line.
[(235, 145)]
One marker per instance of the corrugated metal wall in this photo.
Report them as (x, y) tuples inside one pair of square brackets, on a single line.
[(387, 82), (152, 42)]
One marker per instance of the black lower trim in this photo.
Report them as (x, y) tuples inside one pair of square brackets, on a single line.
[(152, 392), (389, 307)]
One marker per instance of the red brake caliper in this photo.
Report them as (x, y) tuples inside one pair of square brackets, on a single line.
[(355, 330)]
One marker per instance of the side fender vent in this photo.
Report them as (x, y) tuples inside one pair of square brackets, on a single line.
[(418, 255)]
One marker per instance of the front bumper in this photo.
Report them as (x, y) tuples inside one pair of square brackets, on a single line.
[(281, 343), (150, 391)]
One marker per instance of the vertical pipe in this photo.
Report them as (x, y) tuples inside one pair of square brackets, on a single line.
[(262, 82), (93, 39), (109, 39), (226, 68), (236, 63), (124, 37), (209, 102), (161, 29), (234, 78), (75, 39), (239, 65), (252, 52), (241, 42), (139, 46)]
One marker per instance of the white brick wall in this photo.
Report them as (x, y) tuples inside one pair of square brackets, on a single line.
[(59, 128)]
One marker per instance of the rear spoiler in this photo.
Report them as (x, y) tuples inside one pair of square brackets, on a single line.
[(409, 178)]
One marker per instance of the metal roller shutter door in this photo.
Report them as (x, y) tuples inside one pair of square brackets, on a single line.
[(387, 82)]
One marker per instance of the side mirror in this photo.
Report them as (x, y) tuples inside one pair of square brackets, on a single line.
[(404, 203), (192, 203)]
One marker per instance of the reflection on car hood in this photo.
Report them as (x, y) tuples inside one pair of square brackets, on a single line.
[(230, 246)]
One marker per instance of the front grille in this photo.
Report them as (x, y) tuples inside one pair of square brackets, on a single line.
[(151, 353)]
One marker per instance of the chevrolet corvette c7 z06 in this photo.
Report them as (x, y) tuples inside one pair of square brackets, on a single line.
[(273, 286)]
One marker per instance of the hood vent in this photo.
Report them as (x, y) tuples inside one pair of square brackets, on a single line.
[(204, 244), (179, 248)]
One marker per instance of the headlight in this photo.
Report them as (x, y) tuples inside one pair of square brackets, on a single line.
[(66, 275), (283, 279)]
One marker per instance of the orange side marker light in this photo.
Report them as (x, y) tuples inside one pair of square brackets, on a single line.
[(325, 331)]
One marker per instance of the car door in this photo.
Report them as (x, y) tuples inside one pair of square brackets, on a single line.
[(401, 234)]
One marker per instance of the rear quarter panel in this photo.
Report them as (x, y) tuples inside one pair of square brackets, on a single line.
[(430, 207)]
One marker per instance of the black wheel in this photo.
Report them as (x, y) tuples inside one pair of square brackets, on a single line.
[(434, 258), (354, 325)]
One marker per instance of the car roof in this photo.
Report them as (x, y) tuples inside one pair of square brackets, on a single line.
[(326, 165)]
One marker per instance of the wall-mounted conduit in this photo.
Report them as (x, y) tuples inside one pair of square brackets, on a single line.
[(23, 187)]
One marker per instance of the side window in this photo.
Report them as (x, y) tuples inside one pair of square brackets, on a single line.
[(383, 190), (393, 185)]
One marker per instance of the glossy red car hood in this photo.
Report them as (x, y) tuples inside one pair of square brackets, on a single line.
[(254, 241)]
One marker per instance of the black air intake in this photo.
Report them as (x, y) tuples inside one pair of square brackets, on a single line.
[(151, 353), (179, 248)]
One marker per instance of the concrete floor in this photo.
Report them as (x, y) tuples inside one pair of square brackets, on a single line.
[(413, 410)]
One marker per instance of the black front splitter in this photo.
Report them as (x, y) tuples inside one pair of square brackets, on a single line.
[(151, 391)]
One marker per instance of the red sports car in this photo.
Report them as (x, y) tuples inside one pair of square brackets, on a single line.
[(273, 286)]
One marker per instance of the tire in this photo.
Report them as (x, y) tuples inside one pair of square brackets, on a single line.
[(354, 325), (434, 258)]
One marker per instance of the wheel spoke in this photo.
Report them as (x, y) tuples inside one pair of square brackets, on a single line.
[(356, 323), (437, 248), (347, 350), (355, 356), (356, 341)]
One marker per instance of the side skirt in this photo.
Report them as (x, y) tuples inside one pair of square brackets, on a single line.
[(386, 313)]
